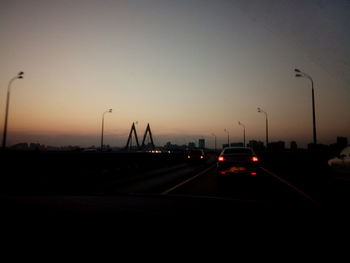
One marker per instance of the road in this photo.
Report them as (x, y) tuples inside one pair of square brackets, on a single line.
[(179, 188), (265, 189)]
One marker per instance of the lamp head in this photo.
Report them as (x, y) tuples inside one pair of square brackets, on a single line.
[(298, 75), (297, 70)]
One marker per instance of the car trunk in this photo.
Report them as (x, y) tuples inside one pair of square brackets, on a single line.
[(237, 158)]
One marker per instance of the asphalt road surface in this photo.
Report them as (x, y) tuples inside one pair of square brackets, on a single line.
[(182, 189), (266, 189)]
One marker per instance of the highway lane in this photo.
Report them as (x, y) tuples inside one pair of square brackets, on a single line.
[(183, 188), (266, 189), (200, 180), (189, 190), (155, 181)]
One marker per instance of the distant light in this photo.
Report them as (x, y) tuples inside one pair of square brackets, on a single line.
[(202, 156), (255, 159), (221, 158), (189, 157), (253, 173)]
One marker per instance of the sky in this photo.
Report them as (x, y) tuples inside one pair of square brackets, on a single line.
[(190, 68)]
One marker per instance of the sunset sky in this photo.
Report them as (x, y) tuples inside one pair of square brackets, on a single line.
[(190, 68)]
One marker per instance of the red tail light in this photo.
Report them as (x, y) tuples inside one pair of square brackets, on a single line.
[(255, 159), (253, 173), (221, 158)]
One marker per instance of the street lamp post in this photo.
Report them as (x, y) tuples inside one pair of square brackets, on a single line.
[(305, 75), (228, 137), (267, 127), (103, 120), (241, 124), (18, 76), (214, 141)]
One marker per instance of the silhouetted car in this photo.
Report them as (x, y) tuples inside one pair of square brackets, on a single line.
[(196, 156), (341, 163), (237, 160)]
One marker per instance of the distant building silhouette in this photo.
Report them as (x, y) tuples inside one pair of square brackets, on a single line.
[(236, 144), (201, 143), (36, 146), (169, 146), (293, 145), (317, 147), (342, 142), (52, 148), (191, 145), (256, 145), (20, 146), (280, 145)]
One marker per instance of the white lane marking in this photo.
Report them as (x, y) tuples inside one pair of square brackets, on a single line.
[(187, 180), (293, 187)]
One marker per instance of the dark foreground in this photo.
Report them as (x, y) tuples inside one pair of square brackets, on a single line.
[(163, 184)]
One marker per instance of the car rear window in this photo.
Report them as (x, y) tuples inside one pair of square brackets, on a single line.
[(196, 152), (238, 151)]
